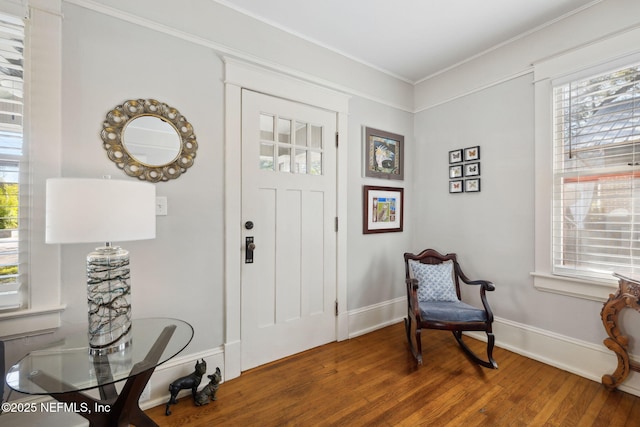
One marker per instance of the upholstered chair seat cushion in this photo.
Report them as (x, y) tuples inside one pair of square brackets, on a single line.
[(450, 311)]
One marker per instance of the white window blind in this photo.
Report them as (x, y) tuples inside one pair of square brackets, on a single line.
[(596, 194), (12, 162)]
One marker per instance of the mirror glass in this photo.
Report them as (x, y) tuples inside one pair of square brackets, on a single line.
[(151, 140)]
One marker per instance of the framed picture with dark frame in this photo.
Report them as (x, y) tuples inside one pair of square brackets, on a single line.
[(472, 169), (455, 171), (472, 153), (472, 185), (455, 156), (456, 186), (383, 209), (384, 154)]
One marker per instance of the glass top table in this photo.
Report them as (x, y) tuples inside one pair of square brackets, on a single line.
[(66, 368)]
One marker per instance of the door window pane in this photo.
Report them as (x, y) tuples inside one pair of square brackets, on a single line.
[(301, 134), (316, 137), (301, 161), (284, 131), (284, 159), (266, 127), (266, 156), (316, 163)]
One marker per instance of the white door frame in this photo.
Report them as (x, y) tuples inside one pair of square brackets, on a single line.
[(239, 75)]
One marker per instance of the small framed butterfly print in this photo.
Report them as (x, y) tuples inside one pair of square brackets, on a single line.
[(472, 169), (472, 185), (456, 186), (455, 156), (472, 153)]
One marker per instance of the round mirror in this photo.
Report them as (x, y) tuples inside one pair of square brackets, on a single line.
[(149, 140)]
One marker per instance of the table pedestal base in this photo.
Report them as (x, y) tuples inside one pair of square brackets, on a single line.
[(113, 409)]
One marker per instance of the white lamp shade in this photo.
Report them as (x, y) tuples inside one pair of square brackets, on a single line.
[(84, 210)]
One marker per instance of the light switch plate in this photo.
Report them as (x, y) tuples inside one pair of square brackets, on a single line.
[(161, 206)]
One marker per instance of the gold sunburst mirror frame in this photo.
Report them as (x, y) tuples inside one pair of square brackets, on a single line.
[(118, 130)]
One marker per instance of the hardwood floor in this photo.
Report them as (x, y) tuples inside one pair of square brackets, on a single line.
[(372, 380)]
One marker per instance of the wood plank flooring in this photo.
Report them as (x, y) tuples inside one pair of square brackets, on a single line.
[(372, 380)]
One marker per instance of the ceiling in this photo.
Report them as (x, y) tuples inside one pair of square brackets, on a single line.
[(409, 39)]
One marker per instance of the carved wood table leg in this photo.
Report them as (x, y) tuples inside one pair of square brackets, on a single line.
[(626, 296)]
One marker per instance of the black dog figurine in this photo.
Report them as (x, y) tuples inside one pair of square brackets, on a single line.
[(191, 381), (208, 393)]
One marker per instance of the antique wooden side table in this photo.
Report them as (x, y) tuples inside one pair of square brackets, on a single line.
[(627, 295)]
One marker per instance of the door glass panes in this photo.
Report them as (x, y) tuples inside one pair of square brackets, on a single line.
[(266, 127), (316, 163), (284, 131), (266, 156), (301, 134), (316, 137), (301, 161), (289, 145), (284, 159), (267, 141)]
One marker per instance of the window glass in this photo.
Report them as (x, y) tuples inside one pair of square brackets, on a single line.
[(11, 157), (596, 194)]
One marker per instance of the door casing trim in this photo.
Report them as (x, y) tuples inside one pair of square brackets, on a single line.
[(243, 75)]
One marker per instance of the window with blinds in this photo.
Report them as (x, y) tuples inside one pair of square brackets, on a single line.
[(596, 194), (12, 159)]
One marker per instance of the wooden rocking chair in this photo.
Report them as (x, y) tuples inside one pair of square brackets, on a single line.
[(433, 296)]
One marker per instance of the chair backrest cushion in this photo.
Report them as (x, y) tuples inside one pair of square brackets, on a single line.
[(435, 281)]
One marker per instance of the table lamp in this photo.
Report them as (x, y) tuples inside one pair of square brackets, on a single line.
[(85, 210)]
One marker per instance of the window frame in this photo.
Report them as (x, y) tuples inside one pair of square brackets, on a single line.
[(42, 136), (600, 171), (597, 57)]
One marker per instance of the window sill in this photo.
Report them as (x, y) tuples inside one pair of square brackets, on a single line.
[(30, 322), (578, 288)]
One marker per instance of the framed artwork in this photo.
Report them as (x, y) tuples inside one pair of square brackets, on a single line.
[(472, 185), (468, 168), (472, 169), (383, 209), (455, 156), (456, 186), (472, 153), (384, 154), (455, 171)]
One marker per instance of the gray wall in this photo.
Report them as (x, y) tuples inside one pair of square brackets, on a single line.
[(116, 53), (108, 59), (489, 101), (493, 230)]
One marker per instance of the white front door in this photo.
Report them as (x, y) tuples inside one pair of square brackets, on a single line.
[(288, 213)]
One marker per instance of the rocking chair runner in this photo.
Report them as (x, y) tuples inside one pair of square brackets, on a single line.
[(433, 296)]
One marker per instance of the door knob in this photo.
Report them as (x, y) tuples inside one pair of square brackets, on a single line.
[(252, 246)]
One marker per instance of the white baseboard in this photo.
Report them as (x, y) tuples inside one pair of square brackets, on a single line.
[(579, 357), (368, 319), (582, 358)]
